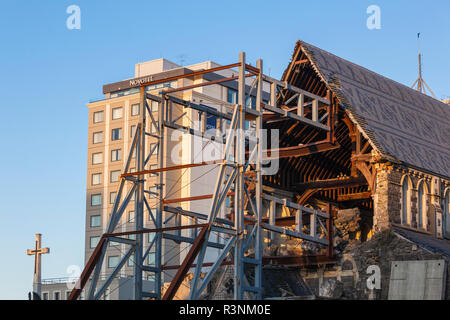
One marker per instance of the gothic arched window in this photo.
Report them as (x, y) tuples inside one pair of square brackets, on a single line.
[(422, 190), (446, 211), (406, 201)]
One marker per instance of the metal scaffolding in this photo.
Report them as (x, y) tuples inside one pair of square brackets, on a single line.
[(243, 153)]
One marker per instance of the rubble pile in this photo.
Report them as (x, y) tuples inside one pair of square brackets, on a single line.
[(347, 228)]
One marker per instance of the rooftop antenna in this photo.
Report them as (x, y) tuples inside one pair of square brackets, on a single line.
[(420, 84), (182, 59)]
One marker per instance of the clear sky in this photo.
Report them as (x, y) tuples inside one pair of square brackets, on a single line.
[(48, 73)]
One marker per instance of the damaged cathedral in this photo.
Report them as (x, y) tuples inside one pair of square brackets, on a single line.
[(382, 172)]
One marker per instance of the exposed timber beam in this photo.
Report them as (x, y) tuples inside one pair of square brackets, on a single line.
[(355, 196), (362, 157), (299, 151), (335, 183)]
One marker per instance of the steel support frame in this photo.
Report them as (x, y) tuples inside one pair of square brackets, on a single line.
[(234, 157), (235, 149), (138, 189)]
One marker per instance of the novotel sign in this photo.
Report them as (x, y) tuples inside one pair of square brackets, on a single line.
[(137, 82), (140, 81)]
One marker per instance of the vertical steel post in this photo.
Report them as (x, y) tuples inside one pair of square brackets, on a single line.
[(139, 200), (258, 191), (239, 185), (159, 211)]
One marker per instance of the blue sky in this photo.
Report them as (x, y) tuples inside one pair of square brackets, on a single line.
[(49, 73)]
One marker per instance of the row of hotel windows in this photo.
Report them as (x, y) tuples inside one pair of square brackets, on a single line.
[(56, 295), (116, 133), (95, 220), (117, 113), (96, 199), (113, 261), (93, 241), (96, 178), (250, 101), (116, 154)]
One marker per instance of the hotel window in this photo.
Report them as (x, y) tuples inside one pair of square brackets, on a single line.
[(151, 258), (211, 124), (96, 199), (132, 131), (45, 296), (98, 116), (113, 244), (153, 128), (153, 192), (151, 236), (131, 261), (115, 176), (153, 167), (107, 294), (95, 221), (116, 155), (93, 242), (232, 96), (117, 113), (250, 102), (151, 277), (135, 109), (67, 295), (155, 106), (113, 261), (154, 147), (96, 179), (57, 295), (97, 158), (131, 216), (116, 134), (112, 197), (97, 137)]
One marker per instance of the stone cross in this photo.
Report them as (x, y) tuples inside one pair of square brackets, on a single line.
[(37, 251)]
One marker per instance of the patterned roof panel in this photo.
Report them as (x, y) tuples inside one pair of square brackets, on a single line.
[(401, 123)]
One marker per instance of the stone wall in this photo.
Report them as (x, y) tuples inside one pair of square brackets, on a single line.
[(388, 198)]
